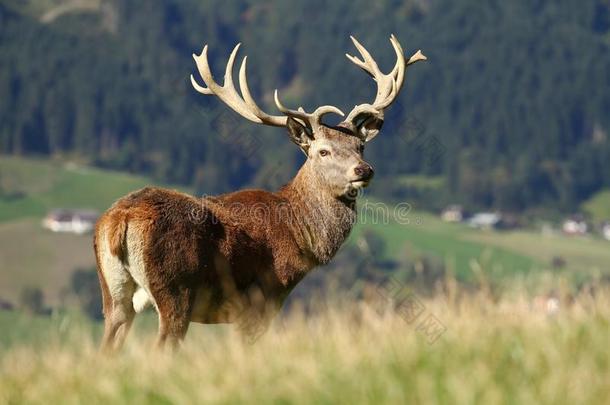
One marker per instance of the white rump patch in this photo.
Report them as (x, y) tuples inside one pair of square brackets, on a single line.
[(135, 252), (141, 300)]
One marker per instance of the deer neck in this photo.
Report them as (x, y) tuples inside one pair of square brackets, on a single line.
[(321, 222)]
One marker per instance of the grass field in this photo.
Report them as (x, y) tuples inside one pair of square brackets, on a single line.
[(598, 206), (457, 347), (482, 352)]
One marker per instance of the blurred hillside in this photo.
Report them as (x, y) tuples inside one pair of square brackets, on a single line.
[(511, 112), (34, 257)]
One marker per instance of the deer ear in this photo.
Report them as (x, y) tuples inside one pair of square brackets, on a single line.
[(367, 125), (299, 134)]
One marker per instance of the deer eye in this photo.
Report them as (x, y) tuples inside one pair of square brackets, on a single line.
[(324, 152)]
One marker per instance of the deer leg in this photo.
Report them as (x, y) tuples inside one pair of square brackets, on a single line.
[(255, 320), (174, 318), (119, 317), (118, 288)]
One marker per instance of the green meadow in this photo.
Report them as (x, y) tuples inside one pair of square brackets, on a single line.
[(30, 187)]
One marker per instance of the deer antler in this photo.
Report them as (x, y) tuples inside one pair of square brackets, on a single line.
[(388, 85), (245, 105), (312, 119)]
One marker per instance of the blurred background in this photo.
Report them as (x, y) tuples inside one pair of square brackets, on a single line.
[(498, 145)]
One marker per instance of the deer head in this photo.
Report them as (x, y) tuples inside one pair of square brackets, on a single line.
[(334, 153)]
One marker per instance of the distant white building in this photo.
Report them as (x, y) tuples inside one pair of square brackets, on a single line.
[(606, 231), (485, 220), (453, 213), (574, 226), (73, 221), (547, 304)]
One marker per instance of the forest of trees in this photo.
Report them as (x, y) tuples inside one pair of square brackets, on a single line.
[(512, 111)]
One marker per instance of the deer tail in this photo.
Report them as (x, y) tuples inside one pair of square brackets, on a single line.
[(117, 236)]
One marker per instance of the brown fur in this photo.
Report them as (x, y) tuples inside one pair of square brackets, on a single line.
[(117, 233)]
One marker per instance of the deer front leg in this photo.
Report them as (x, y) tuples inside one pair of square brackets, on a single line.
[(256, 316), (253, 324)]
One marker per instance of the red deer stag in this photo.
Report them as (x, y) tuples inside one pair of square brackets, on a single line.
[(241, 255)]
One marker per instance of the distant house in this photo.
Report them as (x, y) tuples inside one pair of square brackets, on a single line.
[(606, 230), (73, 221), (485, 220), (5, 305), (575, 226), (453, 213)]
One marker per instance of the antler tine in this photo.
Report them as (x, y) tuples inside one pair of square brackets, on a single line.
[(398, 72), (314, 119), (196, 85), (358, 63), (327, 109), (416, 57), (245, 91), (300, 113), (246, 107), (228, 81), (368, 64), (363, 108)]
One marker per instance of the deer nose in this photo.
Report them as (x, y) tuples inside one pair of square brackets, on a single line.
[(364, 171)]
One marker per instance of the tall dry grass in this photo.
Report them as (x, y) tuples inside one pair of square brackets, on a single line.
[(507, 350)]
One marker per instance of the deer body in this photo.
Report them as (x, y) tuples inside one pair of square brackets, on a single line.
[(235, 257)]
